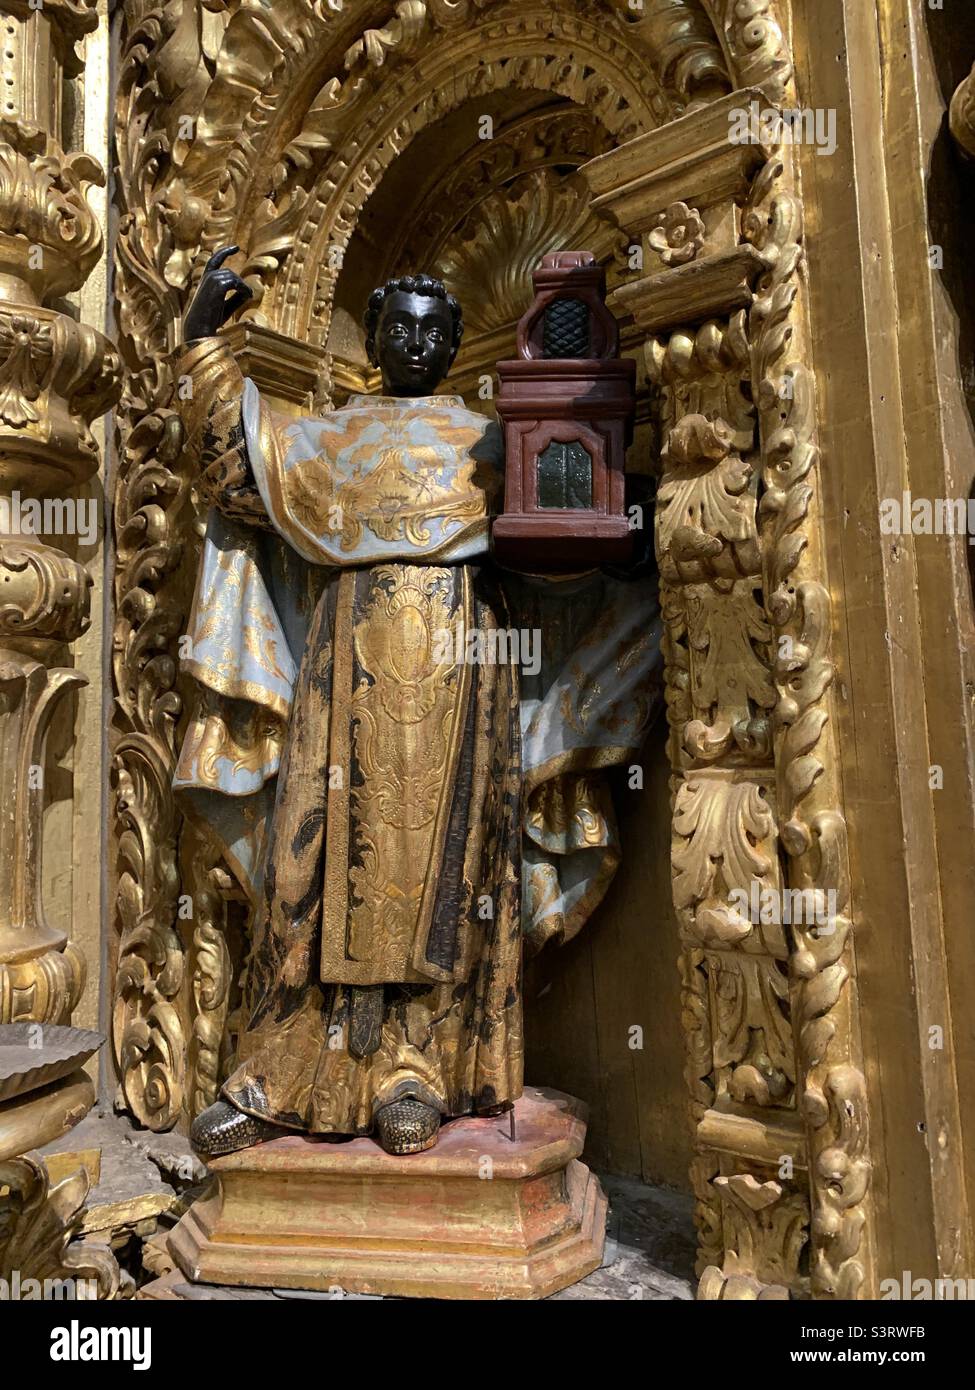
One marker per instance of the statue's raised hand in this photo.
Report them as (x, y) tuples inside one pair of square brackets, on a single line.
[(220, 293)]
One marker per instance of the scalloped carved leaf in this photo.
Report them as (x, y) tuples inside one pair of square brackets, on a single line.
[(488, 262)]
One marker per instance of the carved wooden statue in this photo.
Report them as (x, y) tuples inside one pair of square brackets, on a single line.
[(405, 783)]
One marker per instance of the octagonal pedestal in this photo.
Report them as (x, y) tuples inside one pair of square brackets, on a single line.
[(481, 1215)]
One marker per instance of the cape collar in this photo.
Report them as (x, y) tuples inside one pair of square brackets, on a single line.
[(364, 399)]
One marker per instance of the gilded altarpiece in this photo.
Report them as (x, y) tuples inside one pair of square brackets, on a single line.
[(58, 375), (296, 132)]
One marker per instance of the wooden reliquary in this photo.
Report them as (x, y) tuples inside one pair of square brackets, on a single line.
[(566, 404)]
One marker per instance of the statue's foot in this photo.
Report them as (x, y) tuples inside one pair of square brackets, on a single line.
[(223, 1129), (407, 1126)]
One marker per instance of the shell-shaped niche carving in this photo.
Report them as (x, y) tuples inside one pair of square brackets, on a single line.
[(488, 260)]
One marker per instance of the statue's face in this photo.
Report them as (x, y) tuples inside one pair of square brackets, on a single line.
[(413, 343)]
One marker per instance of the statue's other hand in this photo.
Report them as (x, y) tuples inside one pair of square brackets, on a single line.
[(220, 293)]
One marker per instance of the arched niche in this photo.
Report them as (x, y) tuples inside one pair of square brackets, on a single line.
[(480, 214), (302, 114)]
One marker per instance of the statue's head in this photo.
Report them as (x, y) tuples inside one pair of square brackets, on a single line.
[(413, 330)]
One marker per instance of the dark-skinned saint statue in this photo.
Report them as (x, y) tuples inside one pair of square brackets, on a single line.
[(406, 806)]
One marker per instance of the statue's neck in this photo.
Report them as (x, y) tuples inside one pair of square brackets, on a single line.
[(360, 399), (405, 395)]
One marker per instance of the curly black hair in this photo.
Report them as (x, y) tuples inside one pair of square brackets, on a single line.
[(410, 284)]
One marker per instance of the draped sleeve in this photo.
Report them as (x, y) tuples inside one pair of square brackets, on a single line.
[(211, 392), (246, 631)]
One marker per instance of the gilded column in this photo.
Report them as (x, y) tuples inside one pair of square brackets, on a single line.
[(56, 376), (758, 850)]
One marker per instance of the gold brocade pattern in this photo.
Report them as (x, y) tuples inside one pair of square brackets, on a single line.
[(397, 497), (258, 634), (434, 791), (406, 730), (568, 813), (240, 734), (564, 814), (397, 718)]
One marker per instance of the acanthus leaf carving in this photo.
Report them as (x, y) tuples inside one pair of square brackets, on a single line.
[(39, 1229), (768, 1227), (832, 1088), (43, 203), (757, 49), (724, 841), (45, 593)]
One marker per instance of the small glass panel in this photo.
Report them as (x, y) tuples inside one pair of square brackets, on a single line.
[(565, 476)]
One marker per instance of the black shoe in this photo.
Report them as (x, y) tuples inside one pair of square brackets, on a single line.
[(407, 1126), (223, 1129)]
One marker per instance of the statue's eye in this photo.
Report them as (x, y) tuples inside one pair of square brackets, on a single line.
[(435, 335), (396, 330)]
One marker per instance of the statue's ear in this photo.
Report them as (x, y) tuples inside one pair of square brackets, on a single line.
[(455, 345)]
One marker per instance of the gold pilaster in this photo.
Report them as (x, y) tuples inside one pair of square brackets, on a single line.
[(776, 1096), (56, 376)]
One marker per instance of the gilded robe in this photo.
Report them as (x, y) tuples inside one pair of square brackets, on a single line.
[(379, 794)]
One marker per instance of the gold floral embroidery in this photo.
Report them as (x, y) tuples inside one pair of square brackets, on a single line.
[(396, 491), (223, 614), (406, 719)]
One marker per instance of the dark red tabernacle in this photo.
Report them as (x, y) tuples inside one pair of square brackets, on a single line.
[(566, 404)]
